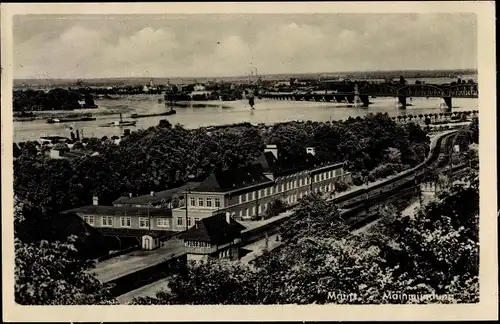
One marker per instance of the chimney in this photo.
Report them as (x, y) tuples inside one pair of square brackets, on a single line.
[(310, 150), (152, 193), (228, 217), (130, 194), (273, 148), (95, 200)]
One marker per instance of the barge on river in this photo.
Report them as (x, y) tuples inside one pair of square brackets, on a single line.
[(120, 123), (167, 113), (69, 119)]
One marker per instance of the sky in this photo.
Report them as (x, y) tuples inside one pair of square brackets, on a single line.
[(106, 46)]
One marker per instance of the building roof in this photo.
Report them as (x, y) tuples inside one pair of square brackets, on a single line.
[(214, 230), (158, 196), (233, 179), (121, 211), (130, 232), (286, 165)]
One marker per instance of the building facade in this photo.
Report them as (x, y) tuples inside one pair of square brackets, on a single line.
[(215, 236), (244, 194), (125, 217), (247, 192)]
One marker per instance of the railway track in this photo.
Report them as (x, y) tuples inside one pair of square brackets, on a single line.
[(436, 160)]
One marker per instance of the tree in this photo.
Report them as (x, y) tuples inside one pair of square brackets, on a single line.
[(51, 274), (313, 216), (208, 283), (275, 208)]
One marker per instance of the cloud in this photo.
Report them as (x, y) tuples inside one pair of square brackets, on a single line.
[(201, 46)]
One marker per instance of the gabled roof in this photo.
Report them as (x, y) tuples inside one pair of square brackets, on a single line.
[(120, 211), (214, 230), (233, 179), (158, 196)]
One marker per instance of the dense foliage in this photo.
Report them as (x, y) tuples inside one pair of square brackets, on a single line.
[(50, 273), (429, 257), (55, 99)]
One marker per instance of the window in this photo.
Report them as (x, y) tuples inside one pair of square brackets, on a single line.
[(260, 209), (217, 202), (240, 198), (209, 202), (282, 187), (286, 185), (162, 222), (253, 195), (189, 221), (143, 222), (248, 196), (253, 210), (125, 221), (265, 206), (89, 219), (246, 212), (107, 221), (179, 221), (241, 213), (200, 202), (300, 182), (268, 190), (192, 201)]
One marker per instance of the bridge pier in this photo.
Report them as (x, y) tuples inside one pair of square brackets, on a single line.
[(402, 101), (448, 101), (365, 100)]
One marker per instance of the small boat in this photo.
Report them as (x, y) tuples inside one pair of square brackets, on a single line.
[(119, 123)]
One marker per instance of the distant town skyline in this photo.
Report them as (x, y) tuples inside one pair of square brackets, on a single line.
[(156, 46)]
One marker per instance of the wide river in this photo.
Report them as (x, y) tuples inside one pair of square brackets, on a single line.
[(266, 111)]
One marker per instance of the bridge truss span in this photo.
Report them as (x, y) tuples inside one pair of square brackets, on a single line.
[(421, 90), (381, 90)]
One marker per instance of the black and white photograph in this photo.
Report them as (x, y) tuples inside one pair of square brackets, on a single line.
[(245, 157)]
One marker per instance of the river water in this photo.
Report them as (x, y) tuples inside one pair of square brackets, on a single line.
[(266, 111)]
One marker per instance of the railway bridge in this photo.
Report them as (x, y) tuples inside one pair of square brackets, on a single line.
[(361, 93)]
